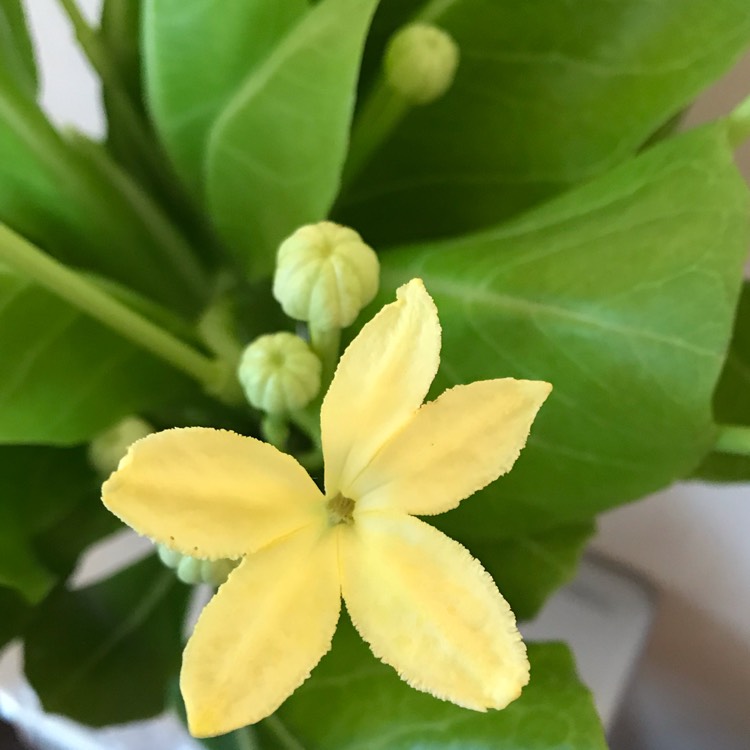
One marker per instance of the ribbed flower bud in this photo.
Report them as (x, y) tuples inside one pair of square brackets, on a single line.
[(107, 448), (420, 62), (192, 570), (279, 373), (325, 274)]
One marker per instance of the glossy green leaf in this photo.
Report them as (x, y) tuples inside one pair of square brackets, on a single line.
[(39, 486), (197, 54), (105, 654), (65, 377), (16, 52), (370, 707), (548, 94), (622, 295), (527, 569), (276, 152), (63, 517), (732, 400)]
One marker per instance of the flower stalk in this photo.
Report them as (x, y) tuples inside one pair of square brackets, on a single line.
[(83, 294)]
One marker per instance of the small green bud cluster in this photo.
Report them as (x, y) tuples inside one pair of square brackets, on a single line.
[(325, 274), (420, 63), (108, 448), (192, 570)]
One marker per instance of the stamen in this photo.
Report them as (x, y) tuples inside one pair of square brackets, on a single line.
[(341, 510)]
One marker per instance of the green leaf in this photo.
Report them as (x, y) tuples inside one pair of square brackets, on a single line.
[(38, 488), (276, 152), (69, 199), (55, 499), (186, 92), (621, 294), (120, 31), (16, 52), (58, 549), (368, 706), (65, 377), (105, 654), (527, 569), (723, 467), (548, 94), (16, 612), (732, 399), (19, 567)]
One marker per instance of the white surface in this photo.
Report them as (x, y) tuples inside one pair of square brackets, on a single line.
[(70, 91), (693, 540)]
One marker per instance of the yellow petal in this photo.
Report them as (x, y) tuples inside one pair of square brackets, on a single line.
[(211, 493), (381, 380), (430, 610), (453, 447), (259, 638)]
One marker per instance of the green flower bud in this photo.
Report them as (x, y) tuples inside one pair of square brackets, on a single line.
[(193, 570), (420, 62), (279, 373), (189, 570), (108, 448), (325, 274), (171, 558)]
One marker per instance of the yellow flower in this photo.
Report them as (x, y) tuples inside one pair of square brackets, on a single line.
[(421, 601)]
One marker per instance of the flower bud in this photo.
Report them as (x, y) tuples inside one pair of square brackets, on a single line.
[(325, 274), (107, 449), (193, 570), (170, 557), (420, 62), (189, 570), (279, 373)]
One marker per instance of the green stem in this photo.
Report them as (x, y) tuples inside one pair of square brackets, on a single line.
[(81, 293), (739, 124), (308, 420), (246, 739), (282, 735), (275, 430), (733, 439), (382, 111), (326, 343)]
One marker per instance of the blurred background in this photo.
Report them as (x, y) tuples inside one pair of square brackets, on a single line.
[(690, 688)]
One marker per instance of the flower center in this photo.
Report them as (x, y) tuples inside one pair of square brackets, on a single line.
[(340, 510)]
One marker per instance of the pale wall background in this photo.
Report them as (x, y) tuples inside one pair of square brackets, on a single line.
[(692, 691)]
